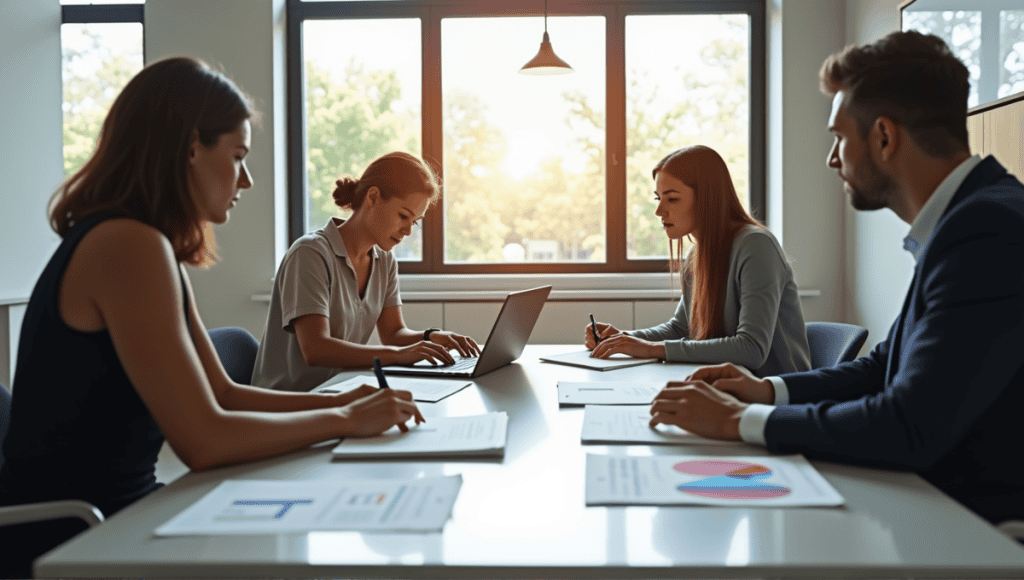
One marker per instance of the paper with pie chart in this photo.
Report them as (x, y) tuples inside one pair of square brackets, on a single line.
[(751, 481)]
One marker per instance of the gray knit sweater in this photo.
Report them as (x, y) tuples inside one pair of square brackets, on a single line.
[(764, 325)]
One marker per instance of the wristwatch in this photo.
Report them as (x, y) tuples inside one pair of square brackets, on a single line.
[(426, 333)]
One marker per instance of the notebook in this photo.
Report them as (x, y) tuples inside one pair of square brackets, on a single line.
[(508, 336), (440, 437), (608, 392), (582, 358)]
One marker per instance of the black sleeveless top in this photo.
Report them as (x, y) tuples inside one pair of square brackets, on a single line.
[(78, 428)]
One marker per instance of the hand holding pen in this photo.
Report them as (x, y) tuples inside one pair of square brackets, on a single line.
[(398, 406), (381, 381), (593, 328)]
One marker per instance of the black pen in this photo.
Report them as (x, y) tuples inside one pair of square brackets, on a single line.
[(381, 381), (593, 327)]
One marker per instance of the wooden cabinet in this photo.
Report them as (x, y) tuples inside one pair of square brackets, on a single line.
[(1000, 132), (1003, 135), (976, 134)]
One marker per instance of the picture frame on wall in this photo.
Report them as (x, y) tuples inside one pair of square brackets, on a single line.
[(987, 35)]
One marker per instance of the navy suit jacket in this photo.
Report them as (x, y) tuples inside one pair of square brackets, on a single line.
[(943, 395)]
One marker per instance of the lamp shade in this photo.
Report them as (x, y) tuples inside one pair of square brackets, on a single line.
[(546, 62)]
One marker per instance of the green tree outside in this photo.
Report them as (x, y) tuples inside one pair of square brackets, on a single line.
[(87, 97)]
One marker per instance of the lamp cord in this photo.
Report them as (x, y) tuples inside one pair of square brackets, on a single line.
[(545, 16)]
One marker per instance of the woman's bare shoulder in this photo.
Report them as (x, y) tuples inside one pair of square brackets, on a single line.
[(126, 239)]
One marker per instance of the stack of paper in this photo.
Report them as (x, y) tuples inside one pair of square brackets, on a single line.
[(607, 393), (472, 436), (776, 481), (277, 507), (583, 359), (425, 390), (610, 424)]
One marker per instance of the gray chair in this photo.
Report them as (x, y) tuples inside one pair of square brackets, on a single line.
[(834, 342), (42, 511), (236, 349)]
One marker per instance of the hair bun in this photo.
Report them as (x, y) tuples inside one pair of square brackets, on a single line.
[(345, 192)]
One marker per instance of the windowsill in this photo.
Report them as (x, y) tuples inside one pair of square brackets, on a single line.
[(565, 287)]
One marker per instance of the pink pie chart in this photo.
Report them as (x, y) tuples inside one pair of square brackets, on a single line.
[(725, 479)]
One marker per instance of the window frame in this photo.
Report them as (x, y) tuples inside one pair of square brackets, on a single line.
[(430, 13), (105, 14)]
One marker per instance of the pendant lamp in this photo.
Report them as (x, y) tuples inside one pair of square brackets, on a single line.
[(546, 62)]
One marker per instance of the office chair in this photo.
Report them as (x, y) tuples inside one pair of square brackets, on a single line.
[(1013, 528), (237, 351), (42, 511), (834, 342)]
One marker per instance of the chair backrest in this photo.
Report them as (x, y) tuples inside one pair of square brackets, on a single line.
[(5, 419), (237, 351), (834, 342)]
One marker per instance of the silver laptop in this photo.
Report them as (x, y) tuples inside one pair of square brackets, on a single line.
[(508, 336)]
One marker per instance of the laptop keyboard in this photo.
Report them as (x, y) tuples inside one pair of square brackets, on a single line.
[(463, 364)]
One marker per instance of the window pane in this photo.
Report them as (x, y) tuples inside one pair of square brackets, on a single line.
[(692, 91), (524, 156), (1011, 52), (97, 61), (363, 99), (961, 29)]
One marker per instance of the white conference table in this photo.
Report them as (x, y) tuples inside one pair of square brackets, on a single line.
[(524, 516)]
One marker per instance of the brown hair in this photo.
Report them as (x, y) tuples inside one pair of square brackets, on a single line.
[(910, 77), (394, 174), (718, 217), (140, 166)]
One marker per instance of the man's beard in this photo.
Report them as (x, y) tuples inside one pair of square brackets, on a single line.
[(875, 189)]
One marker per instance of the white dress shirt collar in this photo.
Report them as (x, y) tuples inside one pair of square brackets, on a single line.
[(925, 222)]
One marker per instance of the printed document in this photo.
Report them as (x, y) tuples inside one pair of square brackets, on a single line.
[(425, 390), (583, 359), (772, 481), (276, 507), (607, 393), (441, 437), (610, 424)]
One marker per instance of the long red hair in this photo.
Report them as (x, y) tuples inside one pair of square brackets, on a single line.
[(718, 217)]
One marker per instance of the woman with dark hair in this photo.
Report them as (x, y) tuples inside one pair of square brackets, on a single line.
[(113, 356), (739, 301), (337, 284)]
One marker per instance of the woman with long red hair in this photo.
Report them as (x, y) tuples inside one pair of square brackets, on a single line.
[(739, 301)]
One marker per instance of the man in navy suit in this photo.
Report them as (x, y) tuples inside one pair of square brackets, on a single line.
[(943, 394)]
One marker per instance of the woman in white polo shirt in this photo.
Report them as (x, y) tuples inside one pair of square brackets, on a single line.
[(337, 284)]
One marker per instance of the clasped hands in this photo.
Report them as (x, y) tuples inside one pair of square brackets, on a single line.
[(710, 401)]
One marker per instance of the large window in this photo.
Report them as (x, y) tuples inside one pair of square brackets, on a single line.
[(101, 50), (541, 173), (988, 36), (360, 103)]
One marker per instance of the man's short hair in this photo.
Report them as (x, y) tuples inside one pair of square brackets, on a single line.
[(910, 77)]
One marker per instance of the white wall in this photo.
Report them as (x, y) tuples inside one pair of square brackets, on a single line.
[(242, 38), (31, 157), (877, 267), (31, 140), (800, 185)]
